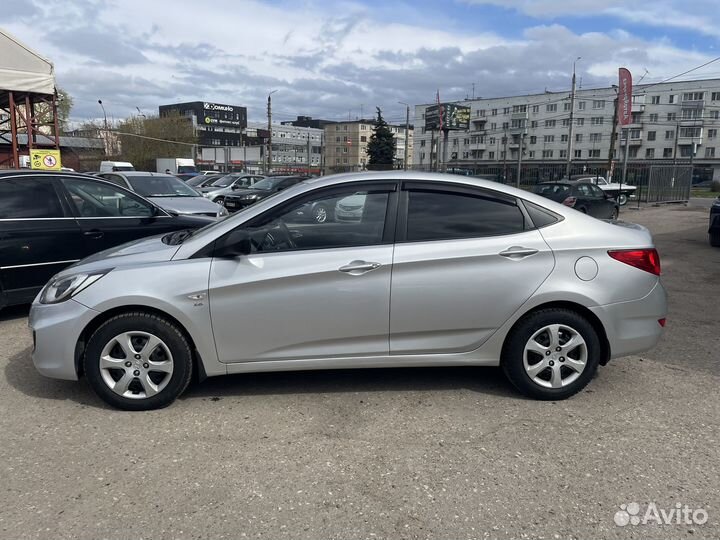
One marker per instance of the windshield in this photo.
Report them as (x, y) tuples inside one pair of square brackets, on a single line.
[(268, 183), (161, 186), (225, 181), (196, 181)]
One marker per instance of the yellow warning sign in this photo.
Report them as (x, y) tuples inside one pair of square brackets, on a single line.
[(47, 160)]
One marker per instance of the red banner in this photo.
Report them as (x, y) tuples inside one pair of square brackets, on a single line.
[(624, 97)]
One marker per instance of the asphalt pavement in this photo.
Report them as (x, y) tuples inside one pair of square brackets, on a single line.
[(449, 453)]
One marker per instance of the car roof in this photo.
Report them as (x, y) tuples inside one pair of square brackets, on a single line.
[(34, 172)]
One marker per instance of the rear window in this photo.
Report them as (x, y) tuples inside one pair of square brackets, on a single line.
[(551, 189), (29, 198)]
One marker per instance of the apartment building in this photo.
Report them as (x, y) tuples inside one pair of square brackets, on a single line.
[(346, 145), (673, 120), (294, 148)]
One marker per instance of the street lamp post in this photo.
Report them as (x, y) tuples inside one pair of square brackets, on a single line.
[(269, 116), (105, 129), (572, 119)]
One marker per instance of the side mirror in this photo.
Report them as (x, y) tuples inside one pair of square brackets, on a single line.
[(235, 186), (233, 244)]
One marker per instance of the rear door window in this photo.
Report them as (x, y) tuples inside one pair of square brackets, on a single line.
[(29, 197), (439, 215), (100, 200)]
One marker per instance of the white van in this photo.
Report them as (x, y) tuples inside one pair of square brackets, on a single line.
[(110, 166)]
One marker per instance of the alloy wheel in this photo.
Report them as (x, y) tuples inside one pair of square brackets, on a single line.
[(320, 214), (555, 356), (136, 365)]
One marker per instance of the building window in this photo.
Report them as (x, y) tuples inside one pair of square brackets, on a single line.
[(669, 134), (502, 154), (533, 139), (596, 120), (651, 135), (566, 107), (505, 125), (598, 103), (566, 122), (595, 137), (671, 98), (712, 133), (635, 118), (714, 115), (686, 151), (549, 123), (653, 118), (535, 109), (667, 152), (710, 151), (693, 132), (363, 127), (491, 155), (655, 100), (551, 107), (531, 154), (594, 153), (632, 152), (547, 153), (578, 153), (563, 153), (693, 96), (345, 150), (579, 121), (533, 124), (493, 125), (519, 108), (578, 137), (493, 112), (363, 138), (491, 140), (649, 153), (563, 138), (422, 143), (549, 138), (635, 133), (506, 110), (581, 105), (482, 113)]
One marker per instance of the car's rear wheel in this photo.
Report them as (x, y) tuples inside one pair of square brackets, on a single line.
[(320, 213), (138, 361), (622, 199), (615, 213), (551, 354), (714, 239)]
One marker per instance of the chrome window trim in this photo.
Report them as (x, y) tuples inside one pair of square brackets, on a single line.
[(37, 264)]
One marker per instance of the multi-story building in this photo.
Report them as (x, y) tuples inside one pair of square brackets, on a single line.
[(294, 149), (670, 121), (215, 124), (346, 145)]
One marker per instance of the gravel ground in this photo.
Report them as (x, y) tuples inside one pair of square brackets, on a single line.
[(423, 453)]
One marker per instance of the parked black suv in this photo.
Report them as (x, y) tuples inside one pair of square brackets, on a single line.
[(50, 220), (243, 198)]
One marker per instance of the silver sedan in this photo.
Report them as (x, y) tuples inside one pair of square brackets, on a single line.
[(437, 270)]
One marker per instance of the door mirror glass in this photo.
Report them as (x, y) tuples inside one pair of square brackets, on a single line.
[(234, 244)]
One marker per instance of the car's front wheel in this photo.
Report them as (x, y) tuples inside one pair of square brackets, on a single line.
[(551, 354), (138, 361), (615, 213)]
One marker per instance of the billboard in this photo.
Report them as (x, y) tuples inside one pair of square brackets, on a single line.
[(624, 109), (447, 116)]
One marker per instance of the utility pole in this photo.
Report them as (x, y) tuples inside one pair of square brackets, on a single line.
[(108, 150), (432, 149), (675, 147), (269, 146), (505, 143), (612, 140), (407, 134), (521, 139), (572, 124), (625, 158)]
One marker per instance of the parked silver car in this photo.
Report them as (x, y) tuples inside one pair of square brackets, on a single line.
[(228, 184), (167, 191), (439, 270)]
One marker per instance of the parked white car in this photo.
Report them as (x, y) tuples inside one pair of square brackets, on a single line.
[(620, 192)]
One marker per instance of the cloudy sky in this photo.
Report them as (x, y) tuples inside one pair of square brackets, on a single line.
[(331, 59)]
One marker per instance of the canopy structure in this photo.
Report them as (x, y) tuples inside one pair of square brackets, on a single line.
[(28, 99)]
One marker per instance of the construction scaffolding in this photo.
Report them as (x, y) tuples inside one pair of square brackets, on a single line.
[(28, 101)]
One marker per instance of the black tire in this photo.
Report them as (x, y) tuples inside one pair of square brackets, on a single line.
[(622, 199), (524, 329), (714, 239), (615, 213), (140, 321), (220, 201)]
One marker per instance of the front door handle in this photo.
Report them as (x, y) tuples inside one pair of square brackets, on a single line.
[(517, 252), (356, 268), (95, 234)]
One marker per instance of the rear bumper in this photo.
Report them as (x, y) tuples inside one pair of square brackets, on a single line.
[(714, 223), (633, 327), (56, 328)]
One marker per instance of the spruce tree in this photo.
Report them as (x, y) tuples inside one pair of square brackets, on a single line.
[(381, 147)]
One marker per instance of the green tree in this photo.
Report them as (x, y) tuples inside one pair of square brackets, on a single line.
[(143, 140), (381, 147)]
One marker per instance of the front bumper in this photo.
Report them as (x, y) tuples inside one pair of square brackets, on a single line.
[(56, 328), (633, 327)]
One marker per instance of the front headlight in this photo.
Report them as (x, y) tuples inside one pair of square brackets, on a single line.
[(62, 288)]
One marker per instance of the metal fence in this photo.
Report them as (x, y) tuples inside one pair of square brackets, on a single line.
[(654, 182)]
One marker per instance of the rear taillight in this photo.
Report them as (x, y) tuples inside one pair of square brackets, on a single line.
[(662, 321), (570, 201), (644, 259)]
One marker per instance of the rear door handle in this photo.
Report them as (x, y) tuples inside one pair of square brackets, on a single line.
[(517, 252), (356, 268), (95, 234)]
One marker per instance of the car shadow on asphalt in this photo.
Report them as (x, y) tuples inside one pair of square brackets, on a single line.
[(21, 375), (483, 380)]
